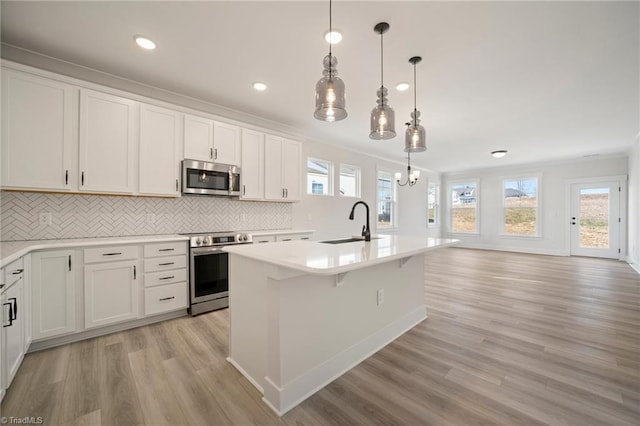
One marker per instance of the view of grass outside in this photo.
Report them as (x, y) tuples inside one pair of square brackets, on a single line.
[(594, 218), (521, 206), (433, 199), (386, 200), (464, 203)]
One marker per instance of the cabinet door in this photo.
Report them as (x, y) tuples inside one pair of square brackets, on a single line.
[(28, 329), (252, 165), (53, 293), (159, 151), (12, 327), (273, 184), (226, 143), (107, 143), (291, 162), (198, 138), (110, 293), (39, 144)]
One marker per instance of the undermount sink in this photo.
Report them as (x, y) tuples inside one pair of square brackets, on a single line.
[(347, 240)]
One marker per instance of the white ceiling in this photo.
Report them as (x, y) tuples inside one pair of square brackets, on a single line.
[(543, 80)]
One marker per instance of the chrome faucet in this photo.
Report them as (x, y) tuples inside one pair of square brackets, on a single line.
[(366, 232)]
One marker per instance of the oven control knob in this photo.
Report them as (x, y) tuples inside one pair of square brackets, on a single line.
[(244, 237), (208, 240), (199, 241)]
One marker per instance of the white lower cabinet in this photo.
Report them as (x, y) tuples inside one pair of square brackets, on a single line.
[(53, 293), (165, 277), (110, 293), (13, 335)]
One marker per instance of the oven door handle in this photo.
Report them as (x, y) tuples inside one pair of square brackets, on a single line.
[(206, 250)]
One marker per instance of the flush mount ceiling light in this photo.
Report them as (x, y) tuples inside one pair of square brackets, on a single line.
[(145, 42), (259, 86), (333, 37), (412, 176), (330, 95), (415, 136), (402, 87), (499, 154), (383, 119)]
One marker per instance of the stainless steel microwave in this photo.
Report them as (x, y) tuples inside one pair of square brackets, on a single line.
[(204, 178)]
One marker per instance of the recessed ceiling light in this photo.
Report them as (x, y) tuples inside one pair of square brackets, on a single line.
[(401, 87), (333, 37), (144, 42), (259, 86), (499, 154)]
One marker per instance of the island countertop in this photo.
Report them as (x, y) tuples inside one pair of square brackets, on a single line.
[(319, 258)]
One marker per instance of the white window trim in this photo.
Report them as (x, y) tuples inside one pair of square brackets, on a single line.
[(538, 235), (330, 178), (450, 184), (394, 224), (358, 181), (438, 185)]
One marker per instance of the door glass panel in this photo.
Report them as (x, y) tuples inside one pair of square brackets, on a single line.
[(594, 218)]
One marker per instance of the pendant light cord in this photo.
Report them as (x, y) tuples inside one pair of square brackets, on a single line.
[(330, 41), (381, 60), (415, 90)]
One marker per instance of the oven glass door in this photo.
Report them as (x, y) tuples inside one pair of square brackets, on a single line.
[(209, 274)]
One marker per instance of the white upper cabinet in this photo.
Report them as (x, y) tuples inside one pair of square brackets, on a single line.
[(252, 165), (39, 142), (282, 169), (107, 143), (226, 143), (198, 138), (160, 143)]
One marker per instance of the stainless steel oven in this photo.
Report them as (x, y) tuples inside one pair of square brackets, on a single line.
[(209, 270), (203, 178)]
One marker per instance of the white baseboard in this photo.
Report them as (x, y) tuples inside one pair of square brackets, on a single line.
[(634, 265), (283, 398), (253, 381)]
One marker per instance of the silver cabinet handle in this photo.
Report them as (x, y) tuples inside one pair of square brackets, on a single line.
[(166, 298), (167, 249), (82, 179), (211, 153), (66, 177), (69, 262), (166, 278), (112, 254), (176, 185), (244, 189), (135, 273), (215, 154), (166, 264), (17, 272)]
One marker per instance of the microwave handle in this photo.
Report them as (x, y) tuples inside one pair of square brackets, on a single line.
[(231, 185)]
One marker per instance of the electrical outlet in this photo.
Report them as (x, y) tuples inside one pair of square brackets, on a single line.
[(151, 218), (44, 218), (380, 296)]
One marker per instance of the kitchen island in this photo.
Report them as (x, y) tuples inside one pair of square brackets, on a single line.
[(305, 312)]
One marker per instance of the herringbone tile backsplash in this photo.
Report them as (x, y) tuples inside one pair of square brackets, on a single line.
[(80, 216)]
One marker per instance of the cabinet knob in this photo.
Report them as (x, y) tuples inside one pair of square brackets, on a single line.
[(211, 153)]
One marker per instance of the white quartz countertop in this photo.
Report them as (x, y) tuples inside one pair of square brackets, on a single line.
[(12, 250), (281, 232), (318, 258)]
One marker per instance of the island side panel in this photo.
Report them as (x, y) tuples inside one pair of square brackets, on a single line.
[(248, 318), (317, 330)]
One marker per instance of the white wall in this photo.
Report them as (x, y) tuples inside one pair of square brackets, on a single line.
[(329, 215), (554, 219), (634, 207)]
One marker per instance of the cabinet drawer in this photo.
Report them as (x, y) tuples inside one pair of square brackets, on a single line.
[(165, 263), (165, 277), (165, 298), (293, 237), (165, 249), (264, 239), (110, 254), (13, 272)]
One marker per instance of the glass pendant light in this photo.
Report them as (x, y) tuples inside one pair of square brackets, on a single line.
[(415, 139), (383, 118), (330, 96)]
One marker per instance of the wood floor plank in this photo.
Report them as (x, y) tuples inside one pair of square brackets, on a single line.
[(511, 339)]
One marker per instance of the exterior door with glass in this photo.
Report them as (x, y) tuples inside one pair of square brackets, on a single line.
[(595, 219)]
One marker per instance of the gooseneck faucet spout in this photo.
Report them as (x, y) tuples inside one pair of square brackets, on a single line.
[(366, 232)]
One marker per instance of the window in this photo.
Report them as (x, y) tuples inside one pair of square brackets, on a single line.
[(349, 181), (464, 207), (520, 205), (386, 200), (433, 204), (319, 177)]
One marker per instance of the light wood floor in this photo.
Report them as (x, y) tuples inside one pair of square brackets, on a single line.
[(510, 339)]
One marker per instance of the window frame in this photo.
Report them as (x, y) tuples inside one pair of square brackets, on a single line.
[(449, 219), (438, 187), (394, 201), (503, 224), (358, 179), (330, 179)]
